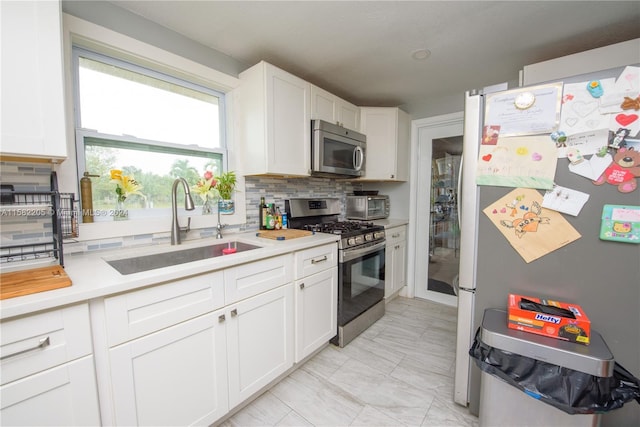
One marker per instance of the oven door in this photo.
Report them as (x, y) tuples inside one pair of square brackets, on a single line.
[(361, 280)]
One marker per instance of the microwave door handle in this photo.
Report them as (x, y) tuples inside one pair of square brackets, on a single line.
[(358, 158)]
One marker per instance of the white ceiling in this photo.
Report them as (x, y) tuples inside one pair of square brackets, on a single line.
[(361, 50)]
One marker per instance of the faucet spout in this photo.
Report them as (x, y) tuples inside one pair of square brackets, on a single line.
[(188, 205)]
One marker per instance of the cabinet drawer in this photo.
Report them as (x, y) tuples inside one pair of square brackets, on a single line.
[(247, 280), (40, 341), (62, 396), (314, 260), (396, 234), (141, 312)]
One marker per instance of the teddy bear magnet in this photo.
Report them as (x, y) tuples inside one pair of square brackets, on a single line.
[(623, 170)]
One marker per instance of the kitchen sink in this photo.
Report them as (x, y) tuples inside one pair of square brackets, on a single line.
[(142, 263)]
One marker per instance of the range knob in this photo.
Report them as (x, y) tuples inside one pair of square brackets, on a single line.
[(378, 235), (351, 241), (368, 237), (359, 240)]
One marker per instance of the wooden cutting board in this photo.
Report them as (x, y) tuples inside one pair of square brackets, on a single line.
[(283, 234), (25, 282)]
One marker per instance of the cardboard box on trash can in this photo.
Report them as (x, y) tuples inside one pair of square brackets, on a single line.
[(556, 325)]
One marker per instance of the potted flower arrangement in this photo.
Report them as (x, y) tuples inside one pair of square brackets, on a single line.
[(219, 187), (225, 184), (125, 187)]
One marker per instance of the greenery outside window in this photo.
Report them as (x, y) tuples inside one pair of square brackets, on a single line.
[(151, 126)]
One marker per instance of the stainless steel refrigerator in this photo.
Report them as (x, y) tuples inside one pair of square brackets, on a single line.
[(601, 276)]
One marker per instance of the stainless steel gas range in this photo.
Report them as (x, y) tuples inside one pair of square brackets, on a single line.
[(361, 265)]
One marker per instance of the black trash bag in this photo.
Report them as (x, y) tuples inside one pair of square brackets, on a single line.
[(571, 391)]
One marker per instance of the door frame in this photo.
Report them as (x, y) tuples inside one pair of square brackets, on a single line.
[(423, 132)]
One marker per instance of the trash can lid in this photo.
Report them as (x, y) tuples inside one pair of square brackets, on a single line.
[(594, 359)]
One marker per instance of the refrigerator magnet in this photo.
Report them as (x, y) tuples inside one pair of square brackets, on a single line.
[(620, 223), (565, 200)]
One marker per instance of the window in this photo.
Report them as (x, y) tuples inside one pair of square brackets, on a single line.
[(151, 126)]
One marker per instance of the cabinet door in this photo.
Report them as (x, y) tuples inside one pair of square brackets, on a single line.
[(316, 311), (260, 341), (288, 122), (399, 265), (176, 376), (388, 133), (379, 124), (330, 108), (62, 396), (395, 260), (323, 105), (33, 119), (349, 115)]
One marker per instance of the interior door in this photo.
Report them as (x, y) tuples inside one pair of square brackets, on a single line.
[(437, 233)]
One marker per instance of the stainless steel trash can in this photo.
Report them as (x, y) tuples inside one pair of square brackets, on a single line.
[(501, 404)]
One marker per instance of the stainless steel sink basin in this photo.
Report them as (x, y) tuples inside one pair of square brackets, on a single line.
[(151, 262)]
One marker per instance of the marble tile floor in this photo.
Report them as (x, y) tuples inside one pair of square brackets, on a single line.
[(399, 372)]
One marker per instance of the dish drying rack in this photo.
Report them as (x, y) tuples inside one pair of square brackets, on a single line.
[(60, 207)]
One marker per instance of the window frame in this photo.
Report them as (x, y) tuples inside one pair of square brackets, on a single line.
[(83, 133)]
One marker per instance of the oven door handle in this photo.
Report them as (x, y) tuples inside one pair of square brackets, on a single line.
[(350, 254)]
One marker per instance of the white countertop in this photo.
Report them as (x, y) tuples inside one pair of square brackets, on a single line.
[(92, 277), (391, 222)]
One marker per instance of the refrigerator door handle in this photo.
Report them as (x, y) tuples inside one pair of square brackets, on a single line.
[(459, 189)]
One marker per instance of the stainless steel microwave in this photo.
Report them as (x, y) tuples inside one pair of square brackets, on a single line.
[(367, 208), (336, 150)]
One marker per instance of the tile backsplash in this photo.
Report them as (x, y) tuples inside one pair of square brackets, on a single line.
[(36, 177)]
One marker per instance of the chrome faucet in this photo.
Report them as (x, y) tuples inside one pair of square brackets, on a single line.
[(219, 227), (188, 205)]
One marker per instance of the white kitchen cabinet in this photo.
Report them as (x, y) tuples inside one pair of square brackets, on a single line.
[(33, 109), (316, 311), (388, 131), (316, 290), (173, 360), (328, 107), (177, 376), (395, 260), (260, 341), (62, 396), (47, 370), (272, 122)]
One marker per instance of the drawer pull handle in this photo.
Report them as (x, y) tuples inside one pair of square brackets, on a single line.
[(221, 318), (316, 261), (234, 312), (44, 342), (301, 285), (395, 235)]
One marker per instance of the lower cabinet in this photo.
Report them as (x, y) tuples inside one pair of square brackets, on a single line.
[(177, 376), (395, 260), (47, 372), (194, 372), (316, 311), (62, 396), (259, 341)]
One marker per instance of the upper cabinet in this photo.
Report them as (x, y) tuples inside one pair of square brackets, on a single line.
[(388, 131), (272, 122), (328, 107), (33, 116)]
